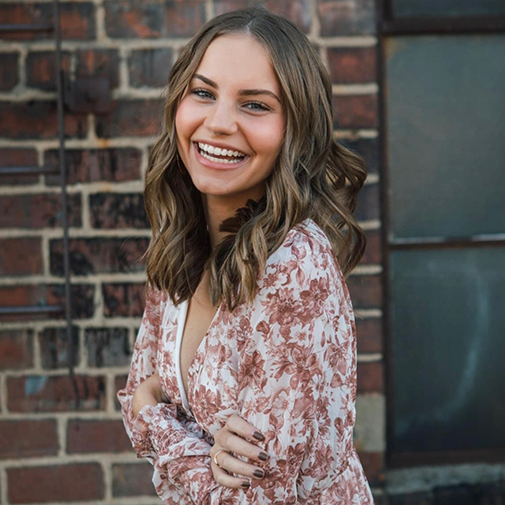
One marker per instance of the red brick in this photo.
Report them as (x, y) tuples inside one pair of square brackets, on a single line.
[(54, 347), (368, 206), (100, 255), (114, 165), (119, 383), (108, 347), (152, 19), (352, 65), (8, 71), (150, 67), (11, 157), (355, 111), (87, 436), (24, 439), (366, 291), (132, 479), (41, 69), (53, 294), (130, 118), (38, 210), (342, 17), (297, 11), (39, 393), (17, 157), (374, 466), (77, 20), (58, 483), (370, 336), (373, 248), (16, 349), (370, 377), (117, 210), (34, 13), (83, 305), (123, 300), (20, 256), (38, 120), (98, 63)]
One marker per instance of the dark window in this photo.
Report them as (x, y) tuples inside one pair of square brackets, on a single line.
[(443, 145)]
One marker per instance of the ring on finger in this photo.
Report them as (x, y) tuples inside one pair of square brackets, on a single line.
[(215, 457)]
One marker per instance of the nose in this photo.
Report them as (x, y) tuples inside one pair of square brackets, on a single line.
[(221, 119)]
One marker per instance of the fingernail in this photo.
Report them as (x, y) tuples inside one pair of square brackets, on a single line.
[(258, 436), (246, 484), (263, 456), (259, 474)]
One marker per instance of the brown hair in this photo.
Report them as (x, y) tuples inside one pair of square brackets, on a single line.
[(314, 177)]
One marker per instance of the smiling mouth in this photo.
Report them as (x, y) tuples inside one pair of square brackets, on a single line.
[(218, 155)]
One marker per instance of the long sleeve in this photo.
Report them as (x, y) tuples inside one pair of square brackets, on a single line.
[(297, 376), (178, 453)]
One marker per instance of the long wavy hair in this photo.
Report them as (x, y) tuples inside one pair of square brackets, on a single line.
[(313, 177)]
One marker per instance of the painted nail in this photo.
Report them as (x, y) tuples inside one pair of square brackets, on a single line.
[(246, 484), (263, 456), (258, 436), (259, 474)]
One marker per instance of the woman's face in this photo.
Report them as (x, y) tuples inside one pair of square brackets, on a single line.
[(230, 122)]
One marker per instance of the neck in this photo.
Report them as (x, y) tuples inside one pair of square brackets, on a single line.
[(217, 210), (215, 214)]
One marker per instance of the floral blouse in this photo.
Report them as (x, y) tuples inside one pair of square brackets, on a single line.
[(286, 363)]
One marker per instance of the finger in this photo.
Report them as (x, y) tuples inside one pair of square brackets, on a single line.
[(226, 480), (242, 447), (241, 427), (237, 466)]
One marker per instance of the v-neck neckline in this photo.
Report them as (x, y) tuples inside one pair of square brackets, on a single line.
[(181, 324)]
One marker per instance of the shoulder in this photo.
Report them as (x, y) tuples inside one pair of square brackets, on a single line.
[(300, 292), (305, 254)]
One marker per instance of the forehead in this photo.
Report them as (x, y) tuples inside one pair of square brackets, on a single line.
[(238, 59)]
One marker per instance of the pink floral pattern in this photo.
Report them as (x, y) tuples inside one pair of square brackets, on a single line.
[(286, 363)]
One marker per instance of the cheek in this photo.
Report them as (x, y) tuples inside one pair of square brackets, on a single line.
[(272, 139), (185, 121), (180, 123)]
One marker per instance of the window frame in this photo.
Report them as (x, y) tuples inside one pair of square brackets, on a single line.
[(389, 26), (392, 25)]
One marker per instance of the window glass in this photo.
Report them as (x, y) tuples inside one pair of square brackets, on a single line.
[(448, 330), (446, 130), (451, 8)]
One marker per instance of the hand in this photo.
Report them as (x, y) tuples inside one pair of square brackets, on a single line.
[(235, 437), (148, 392)]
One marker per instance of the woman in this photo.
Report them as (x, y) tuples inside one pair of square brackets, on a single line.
[(243, 380)]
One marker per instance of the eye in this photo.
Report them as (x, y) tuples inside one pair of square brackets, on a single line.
[(202, 93), (256, 106)]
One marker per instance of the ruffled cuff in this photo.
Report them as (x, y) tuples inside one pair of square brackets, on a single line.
[(149, 417)]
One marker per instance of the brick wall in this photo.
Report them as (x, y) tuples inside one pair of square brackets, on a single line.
[(61, 438)]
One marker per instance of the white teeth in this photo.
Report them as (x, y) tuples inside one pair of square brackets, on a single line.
[(218, 151), (218, 160)]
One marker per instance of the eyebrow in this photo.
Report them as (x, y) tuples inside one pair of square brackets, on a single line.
[(242, 92)]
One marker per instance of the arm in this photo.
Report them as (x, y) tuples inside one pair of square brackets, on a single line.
[(297, 378), (179, 456)]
